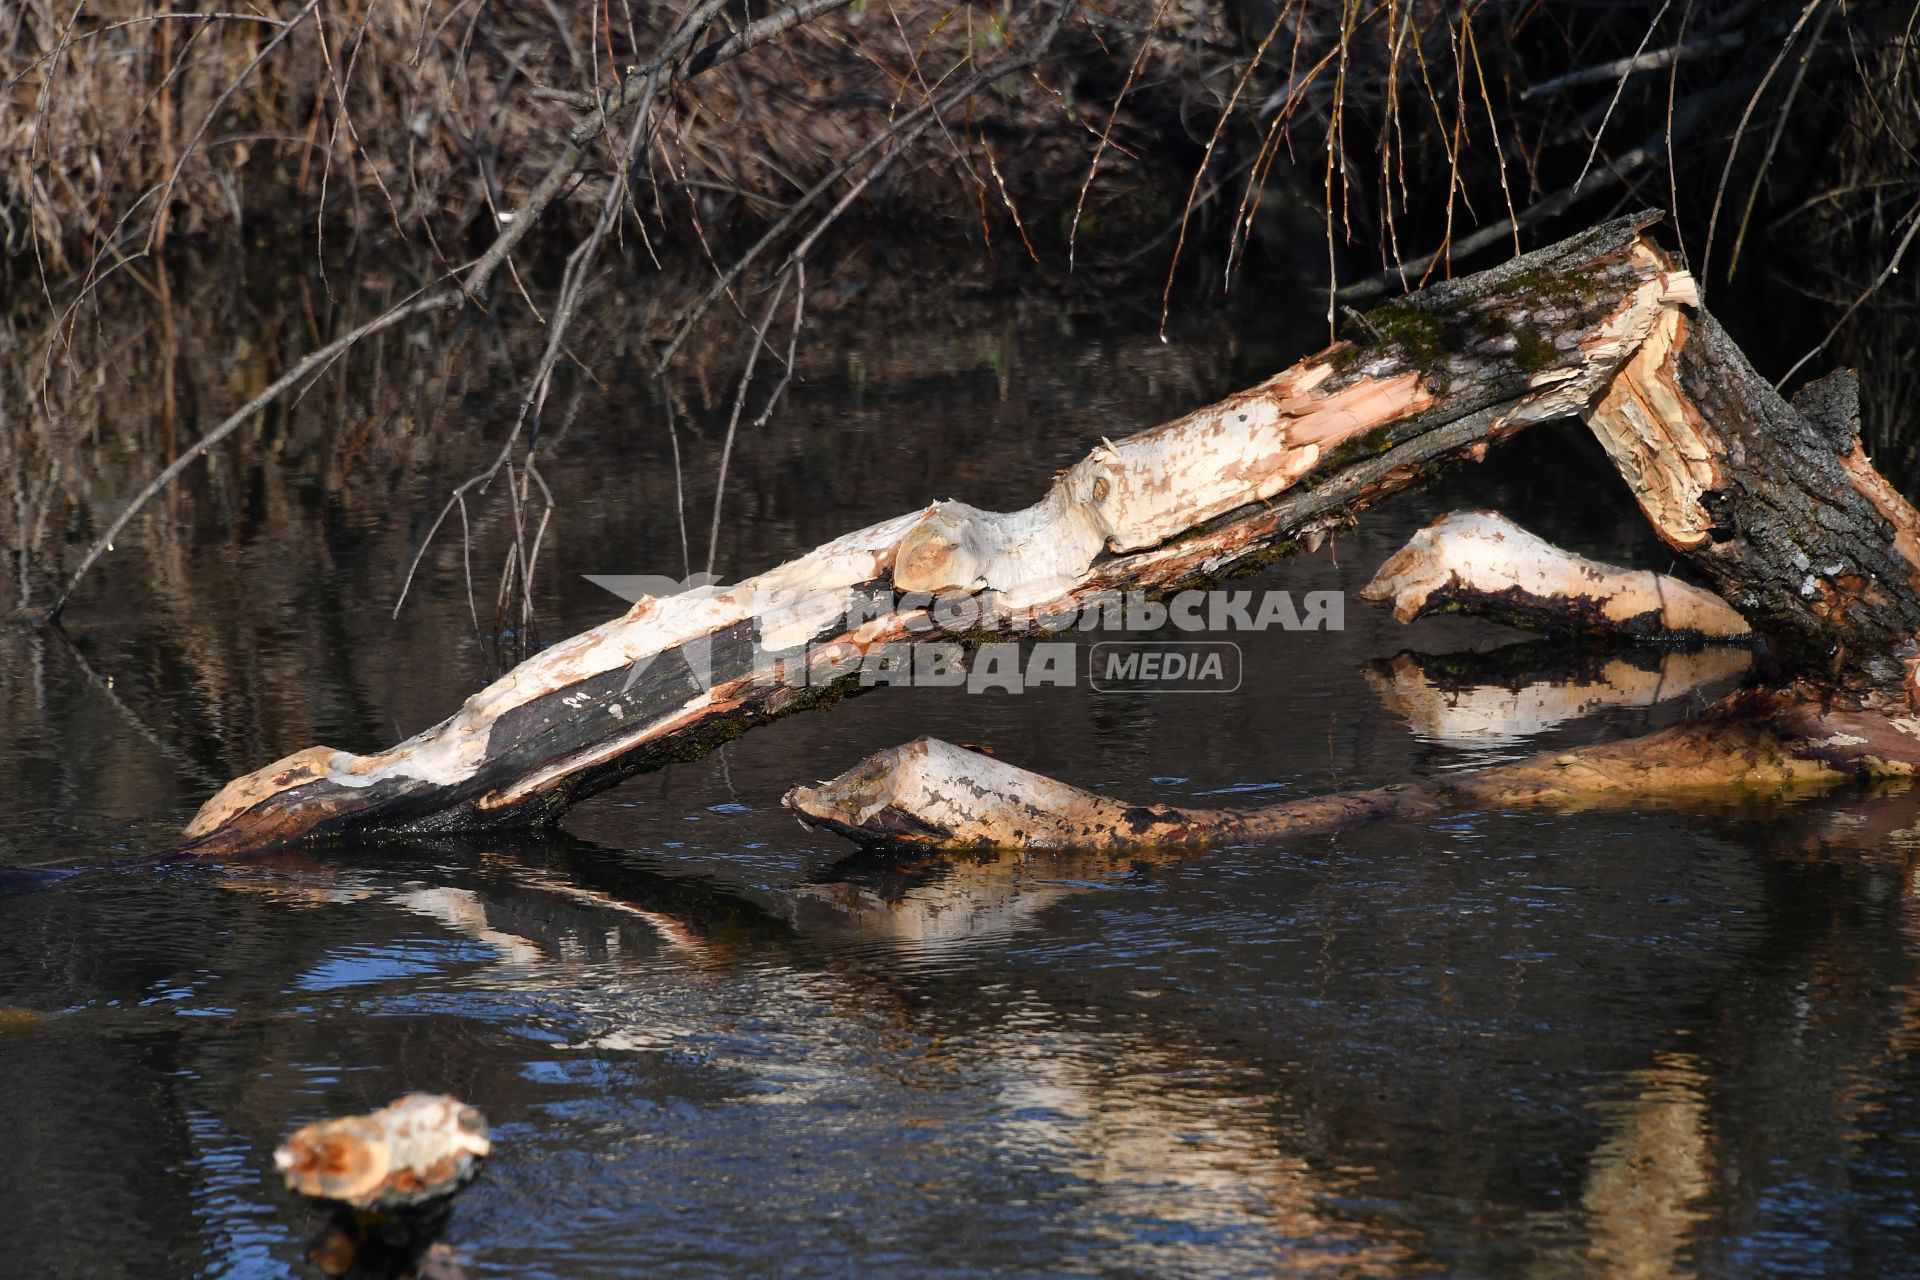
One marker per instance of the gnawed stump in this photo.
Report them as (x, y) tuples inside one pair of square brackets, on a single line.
[(388, 1179)]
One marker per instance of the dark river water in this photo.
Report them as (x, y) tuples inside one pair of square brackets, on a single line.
[(1667, 1042)]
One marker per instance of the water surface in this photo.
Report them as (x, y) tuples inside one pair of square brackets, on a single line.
[(1677, 1041)]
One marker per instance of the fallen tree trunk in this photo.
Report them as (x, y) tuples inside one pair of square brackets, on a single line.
[(1775, 503), (1439, 376), (932, 794)]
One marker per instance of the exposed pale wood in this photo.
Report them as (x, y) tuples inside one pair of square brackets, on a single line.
[(420, 1147), (1483, 563), (933, 794), (1775, 503), (1444, 374)]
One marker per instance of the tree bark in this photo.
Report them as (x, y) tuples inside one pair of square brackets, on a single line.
[(1776, 503), (1438, 376)]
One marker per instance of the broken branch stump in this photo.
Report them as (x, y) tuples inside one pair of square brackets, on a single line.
[(388, 1179), (1482, 563)]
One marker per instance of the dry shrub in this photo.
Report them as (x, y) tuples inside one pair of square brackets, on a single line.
[(1349, 135), (429, 120)]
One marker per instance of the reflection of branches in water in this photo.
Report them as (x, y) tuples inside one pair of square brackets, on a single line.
[(890, 143), (638, 89), (251, 616), (1152, 1127), (637, 94)]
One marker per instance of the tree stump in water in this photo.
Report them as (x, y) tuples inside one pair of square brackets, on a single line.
[(388, 1180)]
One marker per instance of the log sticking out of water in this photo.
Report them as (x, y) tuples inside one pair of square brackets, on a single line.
[(1442, 375), (932, 794), (1774, 502), (1481, 562), (388, 1180)]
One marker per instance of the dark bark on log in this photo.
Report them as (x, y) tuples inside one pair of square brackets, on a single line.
[(1776, 504), (1444, 374)]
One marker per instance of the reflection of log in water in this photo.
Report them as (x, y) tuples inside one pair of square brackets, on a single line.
[(1509, 695), (1151, 1130), (1166, 1117)]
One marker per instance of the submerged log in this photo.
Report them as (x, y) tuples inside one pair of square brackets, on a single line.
[(1439, 376), (932, 794), (1480, 562)]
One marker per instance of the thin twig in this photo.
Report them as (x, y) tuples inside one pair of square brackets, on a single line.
[(1733, 148), (739, 403), (901, 134), (1888, 272)]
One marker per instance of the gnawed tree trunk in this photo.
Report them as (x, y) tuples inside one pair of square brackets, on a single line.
[(1776, 505), (1482, 563), (932, 794), (1442, 375)]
